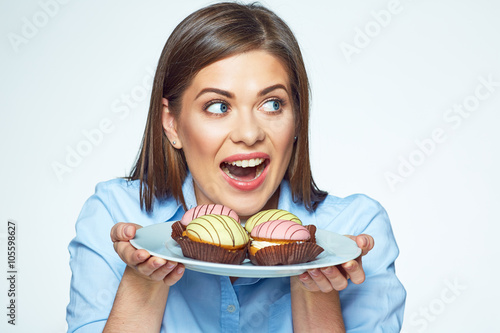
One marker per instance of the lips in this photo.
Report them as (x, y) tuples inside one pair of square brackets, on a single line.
[(245, 171)]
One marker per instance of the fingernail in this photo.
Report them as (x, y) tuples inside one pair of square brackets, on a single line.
[(314, 272), (128, 231), (327, 270), (157, 263), (304, 277), (180, 269), (171, 265), (142, 256), (349, 266)]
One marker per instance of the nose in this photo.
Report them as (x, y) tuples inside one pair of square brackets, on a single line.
[(247, 129)]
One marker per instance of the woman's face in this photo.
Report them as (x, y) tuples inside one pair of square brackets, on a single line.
[(236, 128)]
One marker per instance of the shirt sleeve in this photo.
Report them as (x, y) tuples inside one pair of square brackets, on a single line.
[(96, 268), (376, 305)]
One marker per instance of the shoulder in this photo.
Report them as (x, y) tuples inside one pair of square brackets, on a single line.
[(358, 201), (118, 186), (117, 193), (352, 214), (120, 199), (110, 197)]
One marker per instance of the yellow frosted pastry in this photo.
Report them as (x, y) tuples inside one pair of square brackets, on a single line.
[(218, 230), (270, 215)]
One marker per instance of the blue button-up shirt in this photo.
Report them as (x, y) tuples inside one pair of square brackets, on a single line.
[(201, 302)]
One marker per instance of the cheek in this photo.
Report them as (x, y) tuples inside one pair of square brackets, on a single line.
[(283, 132), (288, 138), (200, 140)]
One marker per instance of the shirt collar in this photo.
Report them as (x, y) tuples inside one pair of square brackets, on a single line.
[(285, 199), (188, 191), (286, 203)]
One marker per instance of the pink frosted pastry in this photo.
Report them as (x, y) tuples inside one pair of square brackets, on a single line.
[(282, 231), (283, 242), (212, 209), (179, 227)]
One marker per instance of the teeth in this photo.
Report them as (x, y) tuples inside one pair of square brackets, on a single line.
[(226, 170), (260, 169), (248, 163)]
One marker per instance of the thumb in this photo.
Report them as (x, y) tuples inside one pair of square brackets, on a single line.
[(365, 242), (123, 231)]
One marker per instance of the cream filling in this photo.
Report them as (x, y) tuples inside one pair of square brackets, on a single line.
[(262, 244)]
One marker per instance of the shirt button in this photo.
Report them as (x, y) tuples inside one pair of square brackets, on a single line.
[(231, 308)]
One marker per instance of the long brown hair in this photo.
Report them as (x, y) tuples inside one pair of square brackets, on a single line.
[(204, 37)]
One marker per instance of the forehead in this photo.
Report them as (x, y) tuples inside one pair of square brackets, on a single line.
[(250, 71)]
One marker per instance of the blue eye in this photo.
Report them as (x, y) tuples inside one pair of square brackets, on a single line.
[(270, 106), (217, 108)]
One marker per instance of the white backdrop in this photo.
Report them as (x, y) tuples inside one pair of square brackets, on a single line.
[(406, 101)]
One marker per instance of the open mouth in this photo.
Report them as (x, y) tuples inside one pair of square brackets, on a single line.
[(244, 170)]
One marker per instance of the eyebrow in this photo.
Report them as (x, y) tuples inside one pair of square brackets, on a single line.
[(271, 88), (228, 94), (215, 90)]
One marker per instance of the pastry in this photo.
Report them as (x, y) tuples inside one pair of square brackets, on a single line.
[(270, 215), (201, 210), (283, 242), (180, 226), (215, 238)]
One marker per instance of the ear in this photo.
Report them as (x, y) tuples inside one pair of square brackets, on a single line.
[(170, 126)]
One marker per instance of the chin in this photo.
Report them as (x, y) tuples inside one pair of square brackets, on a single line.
[(247, 205), (244, 210)]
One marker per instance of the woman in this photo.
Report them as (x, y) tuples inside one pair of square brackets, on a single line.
[(228, 124)]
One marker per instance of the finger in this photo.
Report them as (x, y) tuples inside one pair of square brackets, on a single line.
[(307, 282), (150, 266), (175, 276), (170, 273), (129, 254), (335, 278), (321, 280), (123, 231), (365, 243), (355, 271)]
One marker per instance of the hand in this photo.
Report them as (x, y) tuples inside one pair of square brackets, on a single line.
[(148, 267), (331, 278)]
